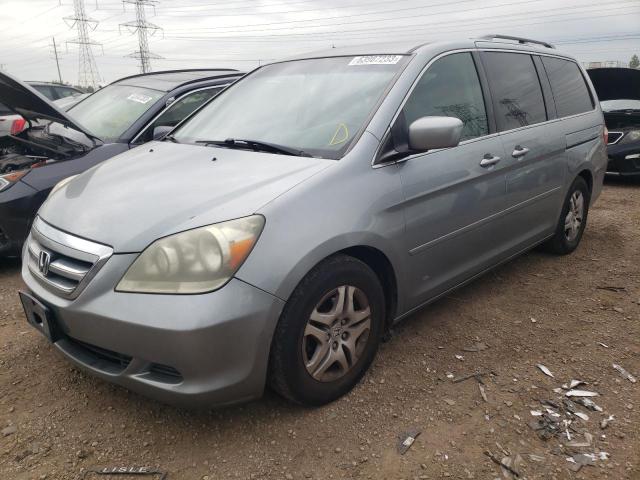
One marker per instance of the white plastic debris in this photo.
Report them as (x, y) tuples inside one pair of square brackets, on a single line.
[(460, 357), (581, 393), (450, 375), (603, 345), (536, 413), (590, 404), (605, 422), (583, 416), (624, 373), (545, 370)]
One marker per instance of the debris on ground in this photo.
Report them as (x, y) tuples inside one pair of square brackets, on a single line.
[(545, 370), (581, 393), (406, 439), (605, 422), (476, 347), (603, 345), (612, 288), (477, 375), (507, 463), (580, 460), (588, 403), (482, 393), (624, 373)]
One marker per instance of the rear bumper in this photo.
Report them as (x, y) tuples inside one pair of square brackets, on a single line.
[(187, 350)]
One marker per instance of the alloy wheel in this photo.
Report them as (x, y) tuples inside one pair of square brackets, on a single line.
[(336, 333), (575, 216)]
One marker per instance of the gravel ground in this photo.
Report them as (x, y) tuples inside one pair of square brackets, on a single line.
[(57, 422)]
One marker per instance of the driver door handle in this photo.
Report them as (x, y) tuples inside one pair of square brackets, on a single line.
[(519, 151), (489, 160)]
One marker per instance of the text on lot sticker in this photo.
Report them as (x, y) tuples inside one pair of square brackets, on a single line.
[(137, 97), (376, 60)]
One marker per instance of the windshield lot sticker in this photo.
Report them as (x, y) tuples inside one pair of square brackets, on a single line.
[(137, 97), (376, 60)]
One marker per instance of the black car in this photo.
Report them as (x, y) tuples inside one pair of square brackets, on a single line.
[(56, 144), (619, 92)]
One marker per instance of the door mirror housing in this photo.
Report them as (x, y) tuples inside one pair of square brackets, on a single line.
[(429, 133), (160, 132)]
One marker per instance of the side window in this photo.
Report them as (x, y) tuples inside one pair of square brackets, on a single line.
[(177, 111), (569, 88), (63, 92), (515, 88), (45, 90), (450, 87)]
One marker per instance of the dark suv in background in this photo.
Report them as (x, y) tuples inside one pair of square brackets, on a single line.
[(56, 145), (618, 90)]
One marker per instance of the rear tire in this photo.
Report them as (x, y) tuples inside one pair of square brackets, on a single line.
[(328, 333), (572, 221)]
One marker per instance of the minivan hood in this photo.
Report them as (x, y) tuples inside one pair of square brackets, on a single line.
[(162, 188), (32, 105), (616, 83)]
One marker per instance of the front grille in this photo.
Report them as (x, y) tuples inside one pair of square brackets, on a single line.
[(63, 263), (614, 137)]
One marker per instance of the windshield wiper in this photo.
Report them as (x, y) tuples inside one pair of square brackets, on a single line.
[(256, 145), (171, 138)]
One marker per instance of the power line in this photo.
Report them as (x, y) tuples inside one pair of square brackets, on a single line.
[(88, 75), (141, 27)]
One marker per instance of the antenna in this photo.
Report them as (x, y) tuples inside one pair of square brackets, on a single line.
[(142, 27), (88, 75)]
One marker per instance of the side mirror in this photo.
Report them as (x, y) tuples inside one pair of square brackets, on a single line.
[(428, 133), (160, 132)]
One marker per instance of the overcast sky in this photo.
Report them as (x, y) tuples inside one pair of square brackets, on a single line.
[(242, 33)]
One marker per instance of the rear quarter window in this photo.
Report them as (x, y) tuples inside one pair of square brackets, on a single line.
[(569, 87)]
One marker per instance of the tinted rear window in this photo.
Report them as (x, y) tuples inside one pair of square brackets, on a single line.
[(569, 88), (515, 88)]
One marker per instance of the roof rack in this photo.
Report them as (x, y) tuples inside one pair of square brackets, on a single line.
[(515, 39)]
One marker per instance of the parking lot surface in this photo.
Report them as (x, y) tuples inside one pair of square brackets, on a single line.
[(576, 315)]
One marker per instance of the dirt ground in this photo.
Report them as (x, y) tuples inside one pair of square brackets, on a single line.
[(57, 422)]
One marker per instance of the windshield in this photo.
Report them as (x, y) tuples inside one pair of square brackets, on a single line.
[(109, 112), (622, 104), (314, 106)]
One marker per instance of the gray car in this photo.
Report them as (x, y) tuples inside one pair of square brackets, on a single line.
[(275, 234)]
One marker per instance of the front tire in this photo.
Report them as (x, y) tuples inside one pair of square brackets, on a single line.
[(573, 219), (328, 333)]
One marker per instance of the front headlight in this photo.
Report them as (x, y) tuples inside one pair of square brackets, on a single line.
[(631, 136), (9, 179), (196, 261)]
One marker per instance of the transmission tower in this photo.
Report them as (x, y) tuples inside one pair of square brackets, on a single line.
[(143, 29), (88, 75)]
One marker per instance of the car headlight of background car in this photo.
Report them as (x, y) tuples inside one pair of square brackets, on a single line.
[(631, 136), (195, 261), (8, 179)]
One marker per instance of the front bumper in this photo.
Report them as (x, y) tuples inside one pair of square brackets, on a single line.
[(187, 350), (624, 159), (18, 206)]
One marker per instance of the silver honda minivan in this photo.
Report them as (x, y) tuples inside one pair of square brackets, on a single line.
[(273, 236)]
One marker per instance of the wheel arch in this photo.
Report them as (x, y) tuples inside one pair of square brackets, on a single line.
[(383, 268)]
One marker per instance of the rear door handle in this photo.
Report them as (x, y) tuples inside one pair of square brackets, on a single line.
[(489, 160), (519, 151)]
